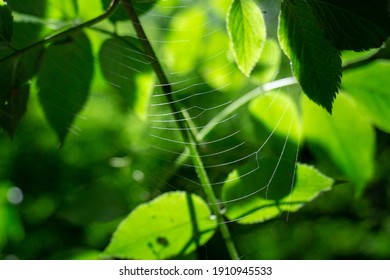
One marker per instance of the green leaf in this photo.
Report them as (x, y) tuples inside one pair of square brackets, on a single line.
[(172, 224), (65, 10), (369, 86), (129, 71), (246, 28), (315, 61), (6, 22), (353, 24), (120, 13), (64, 79), (347, 137), (248, 202), (25, 34)]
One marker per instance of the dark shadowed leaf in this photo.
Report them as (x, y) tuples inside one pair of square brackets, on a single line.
[(140, 6), (315, 61), (25, 31), (36, 7), (172, 224), (353, 24), (15, 74), (14, 95), (63, 80)]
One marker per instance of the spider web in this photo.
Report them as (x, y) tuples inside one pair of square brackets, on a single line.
[(193, 46), (204, 91)]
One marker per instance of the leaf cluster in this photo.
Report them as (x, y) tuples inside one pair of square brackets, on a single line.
[(312, 33), (63, 68)]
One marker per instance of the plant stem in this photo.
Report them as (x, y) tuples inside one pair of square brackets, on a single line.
[(208, 190), (186, 130), (110, 10), (242, 101)]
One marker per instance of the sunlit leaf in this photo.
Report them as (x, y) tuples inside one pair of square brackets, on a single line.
[(251, 199), (170, 225), (87, 9), (63, 10), (315, 61), (353, 24), (370, 87), (347, 137), (247, 32), (129, 71), (6, 22), (63, 79)]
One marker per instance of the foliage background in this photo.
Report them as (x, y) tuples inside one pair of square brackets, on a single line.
[(73, 198)]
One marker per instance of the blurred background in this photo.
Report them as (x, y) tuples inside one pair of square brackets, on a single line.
[(65, 202)]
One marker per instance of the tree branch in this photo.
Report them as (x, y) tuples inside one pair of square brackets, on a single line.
[(110, 10)]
